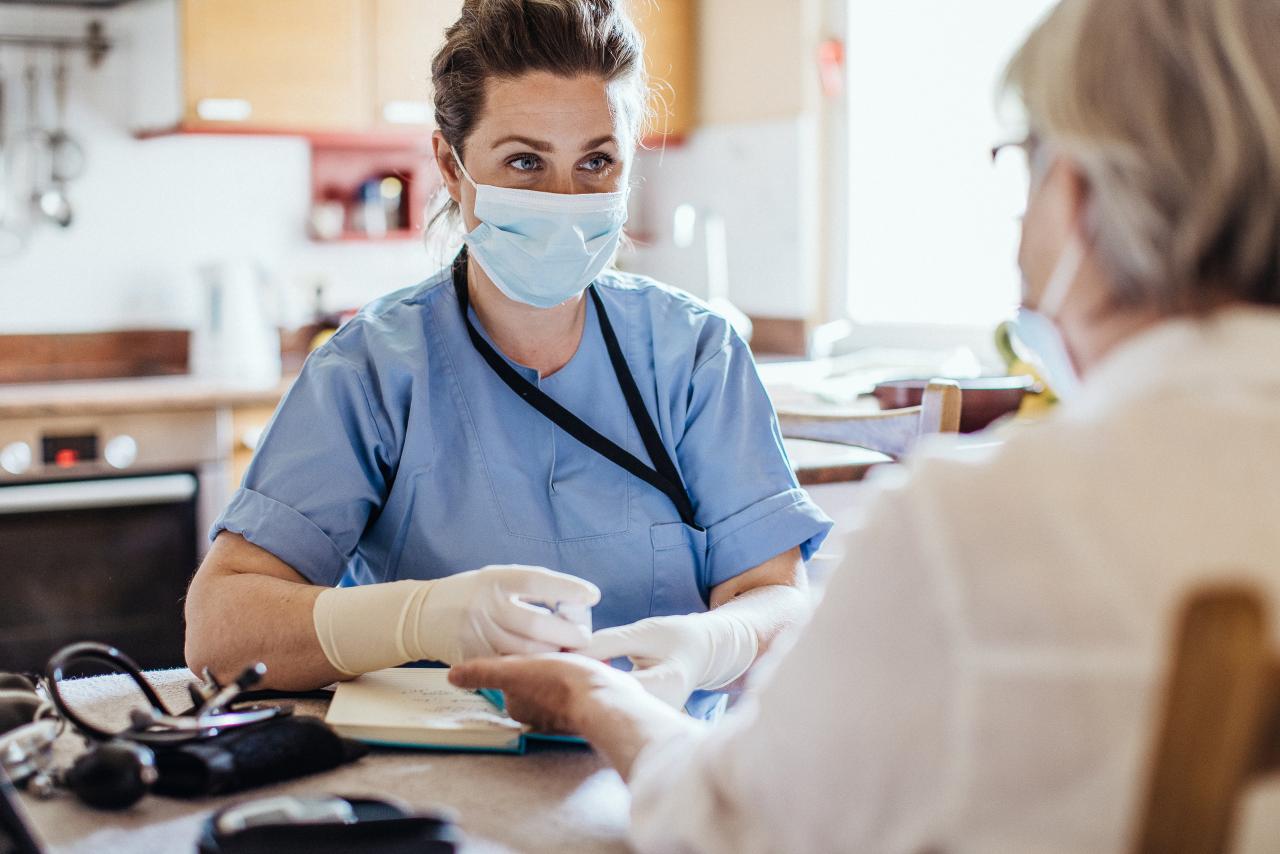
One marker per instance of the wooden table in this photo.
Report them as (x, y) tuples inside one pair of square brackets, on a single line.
[(553, 799), (827, 462)]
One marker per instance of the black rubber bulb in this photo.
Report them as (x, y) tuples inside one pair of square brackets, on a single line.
[(17, 708), (113, 775)]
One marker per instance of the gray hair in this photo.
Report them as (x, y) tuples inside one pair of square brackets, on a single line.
[(1172, 110)]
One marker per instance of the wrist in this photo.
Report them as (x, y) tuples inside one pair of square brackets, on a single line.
[(602, 695), (732, 646), (366, 628)]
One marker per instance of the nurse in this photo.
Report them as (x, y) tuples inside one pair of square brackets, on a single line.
[(526, 428)]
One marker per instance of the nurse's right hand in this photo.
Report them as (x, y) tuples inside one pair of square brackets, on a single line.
[(486, 612), (476, 614)]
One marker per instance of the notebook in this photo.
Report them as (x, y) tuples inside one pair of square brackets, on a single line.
[(417, 707)]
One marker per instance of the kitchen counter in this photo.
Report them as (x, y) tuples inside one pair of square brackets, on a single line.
[(555, 798), (814, 462), (147, 394)]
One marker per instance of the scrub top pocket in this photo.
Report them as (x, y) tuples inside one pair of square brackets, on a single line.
[(679, 562)]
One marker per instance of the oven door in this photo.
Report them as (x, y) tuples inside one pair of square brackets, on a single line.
[(106, 559)]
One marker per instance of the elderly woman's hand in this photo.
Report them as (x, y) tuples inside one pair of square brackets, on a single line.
[(554, 693)]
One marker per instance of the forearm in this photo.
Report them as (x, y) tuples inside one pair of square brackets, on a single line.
[(768, 610), (236, 619), (621, 724)]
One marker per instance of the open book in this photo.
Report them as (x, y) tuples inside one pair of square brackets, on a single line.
[(417, 707)]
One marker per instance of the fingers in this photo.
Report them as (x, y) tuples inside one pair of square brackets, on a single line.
[(504, 642), (530, 621), (667, 682), (543, 585), (621, 642), (498, 673)]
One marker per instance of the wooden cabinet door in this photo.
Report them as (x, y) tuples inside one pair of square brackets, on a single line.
[(406, 36), (276, 64), (670, 31)]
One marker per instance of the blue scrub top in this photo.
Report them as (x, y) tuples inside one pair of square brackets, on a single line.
[(399, 453)]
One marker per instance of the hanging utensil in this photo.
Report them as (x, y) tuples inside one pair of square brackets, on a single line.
[(29, 164), (66, 155), (10, 240)]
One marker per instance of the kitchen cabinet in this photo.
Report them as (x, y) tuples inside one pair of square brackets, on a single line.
[(296, 64), (670, 32), (316, 67), (406, 35)]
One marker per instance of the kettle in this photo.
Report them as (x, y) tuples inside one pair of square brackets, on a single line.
[(236, 339)]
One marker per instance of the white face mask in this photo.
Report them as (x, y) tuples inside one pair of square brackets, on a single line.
[(1039, 334), (542, 249)]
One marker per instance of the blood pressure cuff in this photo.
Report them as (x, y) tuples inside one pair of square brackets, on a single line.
[(255, 755), (379, 827)]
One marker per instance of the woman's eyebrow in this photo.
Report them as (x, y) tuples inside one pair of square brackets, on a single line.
[(535, 144), (596, 143)]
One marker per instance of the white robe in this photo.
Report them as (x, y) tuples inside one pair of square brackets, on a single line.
[(985, 669)]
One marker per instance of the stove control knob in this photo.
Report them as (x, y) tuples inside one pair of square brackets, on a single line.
[(121, 452), (15, 458)]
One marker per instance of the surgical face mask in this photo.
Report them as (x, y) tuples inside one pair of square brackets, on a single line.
[(1039, 334), (543, 248)]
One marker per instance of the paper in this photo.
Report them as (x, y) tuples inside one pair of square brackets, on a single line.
[(418, 707)]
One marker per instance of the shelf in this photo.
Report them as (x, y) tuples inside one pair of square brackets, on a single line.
[(372, 140), (399, 234)]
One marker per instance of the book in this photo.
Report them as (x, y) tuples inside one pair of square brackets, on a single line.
[(417, 707)]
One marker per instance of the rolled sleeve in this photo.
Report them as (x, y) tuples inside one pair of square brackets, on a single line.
[(737, 471), (764, 530), (320, 471), (284, 532)]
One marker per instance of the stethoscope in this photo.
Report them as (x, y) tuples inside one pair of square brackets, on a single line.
[(210, 713), (119, 767)]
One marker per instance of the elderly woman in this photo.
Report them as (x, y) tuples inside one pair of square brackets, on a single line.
[(471, 463), (983, 676)]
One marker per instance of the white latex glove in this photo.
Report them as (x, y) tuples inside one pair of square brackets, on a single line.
[(473, 614), (675, 656)]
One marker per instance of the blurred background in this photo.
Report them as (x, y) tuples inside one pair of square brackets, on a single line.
[(833, 153)]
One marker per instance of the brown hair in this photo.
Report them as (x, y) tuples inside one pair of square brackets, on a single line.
[(507, 38), (1172, 110)]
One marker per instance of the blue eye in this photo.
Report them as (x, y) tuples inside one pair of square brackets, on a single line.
[(598, 163), (524, 163)]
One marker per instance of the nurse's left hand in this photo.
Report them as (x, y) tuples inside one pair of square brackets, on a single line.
[(552, 693), (675, 656)]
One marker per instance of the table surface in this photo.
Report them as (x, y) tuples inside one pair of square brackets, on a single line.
[(556, 798), (828, 462)]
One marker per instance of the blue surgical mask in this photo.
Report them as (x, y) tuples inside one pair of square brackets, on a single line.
[(542, 249), (1036, 329)]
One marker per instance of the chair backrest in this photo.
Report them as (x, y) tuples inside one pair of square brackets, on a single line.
[(890, 431), (1220, 726)]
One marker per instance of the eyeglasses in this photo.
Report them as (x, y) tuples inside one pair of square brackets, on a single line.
[(1012, 178), (1026, 145)]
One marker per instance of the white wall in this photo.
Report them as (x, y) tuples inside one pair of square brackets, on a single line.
[(756, 176), (755, 160), (148, 212)]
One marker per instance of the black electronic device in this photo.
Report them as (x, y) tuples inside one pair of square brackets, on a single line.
[(292, 825)]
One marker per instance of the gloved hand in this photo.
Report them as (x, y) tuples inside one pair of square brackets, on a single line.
[(474, 614), (675, 656)]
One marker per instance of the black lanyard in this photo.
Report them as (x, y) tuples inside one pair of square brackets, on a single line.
[(666, 478)]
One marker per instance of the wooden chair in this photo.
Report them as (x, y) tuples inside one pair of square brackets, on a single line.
[(1220, 727), (891, 432)]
